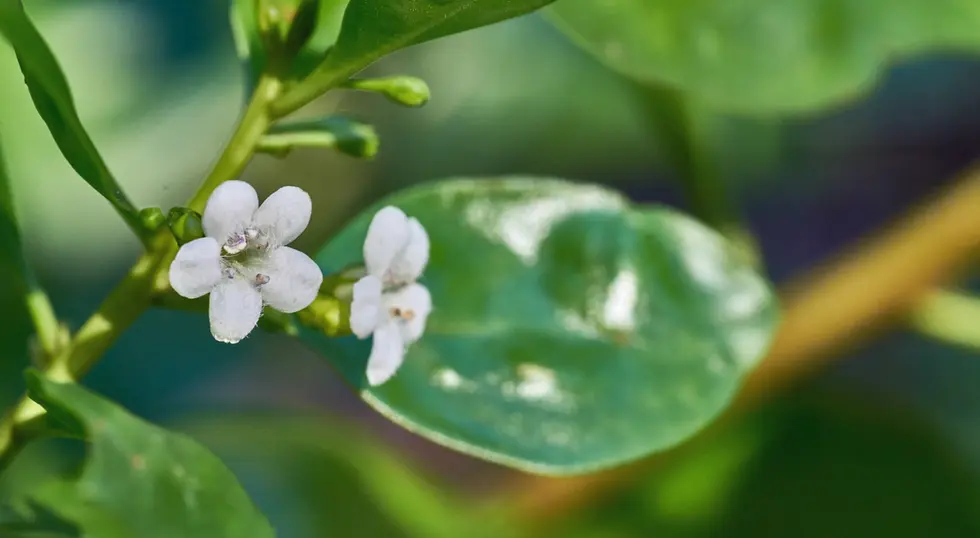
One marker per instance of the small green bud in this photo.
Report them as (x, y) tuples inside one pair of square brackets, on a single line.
[(152, 218), (348, 136), (330, 311), (404, 90), (185, 224)]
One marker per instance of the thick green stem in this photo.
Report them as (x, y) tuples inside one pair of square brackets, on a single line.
[(147, 278), (242, 145), (684, 129)]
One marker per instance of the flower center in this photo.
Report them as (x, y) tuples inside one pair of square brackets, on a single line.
[(406, 314)]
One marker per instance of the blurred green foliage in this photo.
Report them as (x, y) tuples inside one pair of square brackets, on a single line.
[(800, 468)]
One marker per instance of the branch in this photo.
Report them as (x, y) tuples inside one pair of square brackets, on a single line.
[(871, 288)]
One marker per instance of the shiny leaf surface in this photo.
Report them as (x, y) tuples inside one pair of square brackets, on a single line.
[(765, 56), (570, 330), (141, 480)]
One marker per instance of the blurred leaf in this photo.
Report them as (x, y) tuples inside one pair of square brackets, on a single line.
[(140, 480), (801, 469), (765, 56), (12, 260), (52, 98), (336, 482), (570, 331), (248, 43), (349, 136)]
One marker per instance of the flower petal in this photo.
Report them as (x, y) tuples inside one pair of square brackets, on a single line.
[(387, 353), (229, 209), (411, 260), (284, 215), (294, 280), (365, 308), (235, 309), (387, 235), (415, 303), (196, 268)]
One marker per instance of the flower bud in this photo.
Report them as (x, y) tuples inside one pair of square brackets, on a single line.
[(185, 224), (404, 90)]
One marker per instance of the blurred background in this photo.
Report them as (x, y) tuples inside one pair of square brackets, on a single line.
[(885, 442)]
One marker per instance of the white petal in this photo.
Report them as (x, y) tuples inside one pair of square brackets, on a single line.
[(284, 215), (196, 268), (235, 309), (387, 353), (229, 209), (294, 280), (365, 308), (410, 261), (387, 235), (417, 303)]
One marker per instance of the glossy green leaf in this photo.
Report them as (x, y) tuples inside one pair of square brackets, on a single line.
[(372, 29), (347, 135), (571, 331), (52, 98), (140, 480), (766, 56), (335, 480)]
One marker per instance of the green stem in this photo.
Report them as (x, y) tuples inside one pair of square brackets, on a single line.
[(45, 320), (241, 147), (135, 293), (303, 93), (684, 129)]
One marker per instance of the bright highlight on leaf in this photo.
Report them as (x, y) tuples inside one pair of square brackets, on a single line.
[(388, 303), (571, 331), (243, 261)]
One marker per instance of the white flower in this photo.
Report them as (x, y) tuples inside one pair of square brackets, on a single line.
[(388, 303), (243, 262)]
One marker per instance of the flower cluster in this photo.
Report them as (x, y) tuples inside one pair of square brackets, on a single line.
[(388, 302), (244, 261)]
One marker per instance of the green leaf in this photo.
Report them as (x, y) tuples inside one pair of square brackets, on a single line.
[(248, 42), (335, 480), (348, 136), (766, 56), (372, 29), (12, 262), (140, 480), (571, 331), (52, 98)]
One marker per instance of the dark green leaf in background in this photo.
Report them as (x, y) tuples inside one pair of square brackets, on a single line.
[(323, 479), (571, 331), (813, 467), (12, 265), (139, 479), (766, 56), (52, 98)]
